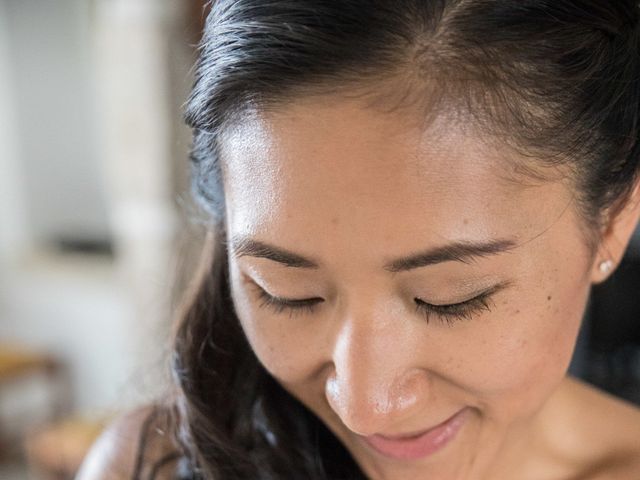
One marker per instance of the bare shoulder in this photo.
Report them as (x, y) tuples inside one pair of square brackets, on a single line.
[(609, 428), (133, 445)]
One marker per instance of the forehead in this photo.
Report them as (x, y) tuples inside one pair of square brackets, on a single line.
[(317, 168)]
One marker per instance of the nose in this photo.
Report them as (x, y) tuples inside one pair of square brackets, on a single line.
[(376, 385)]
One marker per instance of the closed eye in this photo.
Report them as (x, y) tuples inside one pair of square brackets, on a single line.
[(447, 313), (279, 305), (455, 311)]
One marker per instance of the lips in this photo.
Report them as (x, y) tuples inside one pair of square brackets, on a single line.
[(420, 444)]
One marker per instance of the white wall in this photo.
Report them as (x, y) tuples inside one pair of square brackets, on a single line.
[(85, 150), (73, 308), (13, 224), (50, 47)]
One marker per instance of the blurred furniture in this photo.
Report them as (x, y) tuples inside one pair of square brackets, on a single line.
[(18, 363), (56, 451)]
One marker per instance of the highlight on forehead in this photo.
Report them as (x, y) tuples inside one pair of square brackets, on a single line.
[(258, 130), (438, 118)]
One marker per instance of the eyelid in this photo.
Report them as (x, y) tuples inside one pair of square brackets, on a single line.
[(445, 313), (279, 305), (299, 301), (449, 314), (285, 301), (257, 280), (474, 296), (480, 294), (293, 301)]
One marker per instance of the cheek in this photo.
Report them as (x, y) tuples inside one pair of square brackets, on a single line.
[(284, 345), (525, 349)]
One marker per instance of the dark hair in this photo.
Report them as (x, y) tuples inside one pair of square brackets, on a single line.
[(558, 80)]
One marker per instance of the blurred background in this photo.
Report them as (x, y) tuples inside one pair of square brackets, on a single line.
[(97, 233), (95, 222)]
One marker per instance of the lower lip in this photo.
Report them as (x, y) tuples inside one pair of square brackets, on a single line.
[(417, 447)]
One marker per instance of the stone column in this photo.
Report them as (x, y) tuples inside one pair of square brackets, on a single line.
[(137, 141)]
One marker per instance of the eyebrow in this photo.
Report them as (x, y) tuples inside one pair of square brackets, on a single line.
[(463, 252)]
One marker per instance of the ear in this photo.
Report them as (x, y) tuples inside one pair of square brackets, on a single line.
[(616, 236)]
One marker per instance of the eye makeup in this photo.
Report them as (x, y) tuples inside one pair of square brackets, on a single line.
[(446, 313)]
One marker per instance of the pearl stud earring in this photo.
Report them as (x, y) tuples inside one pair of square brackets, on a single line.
[(605, 266)]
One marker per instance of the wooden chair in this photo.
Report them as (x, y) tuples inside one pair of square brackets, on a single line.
[(56, 451), (19, 363)]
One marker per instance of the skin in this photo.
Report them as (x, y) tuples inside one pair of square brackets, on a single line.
[(352, 188)]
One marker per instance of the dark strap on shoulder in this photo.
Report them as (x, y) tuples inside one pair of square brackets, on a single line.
[(142, 444)]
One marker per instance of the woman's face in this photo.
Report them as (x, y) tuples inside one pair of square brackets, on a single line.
[(430, 281)]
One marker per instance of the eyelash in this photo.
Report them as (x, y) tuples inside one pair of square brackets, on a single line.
[(456, 311), (445, 313)]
